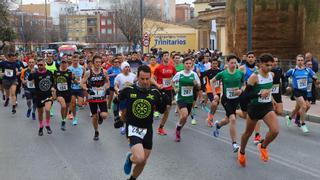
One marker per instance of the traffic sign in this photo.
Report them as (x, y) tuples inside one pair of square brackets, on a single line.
[(146, 42)]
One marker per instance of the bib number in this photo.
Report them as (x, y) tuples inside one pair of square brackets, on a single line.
[(265, 99), (135, 131), (186, 91), (231, 93), (8, 72), (30, 85), (309, 88), (275, 89), (99, 92), (302, 83), (166, 82), (62, 86)]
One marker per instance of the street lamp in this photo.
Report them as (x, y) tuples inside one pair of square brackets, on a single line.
[(141, 24)]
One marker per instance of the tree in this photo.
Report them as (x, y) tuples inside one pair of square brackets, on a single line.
[(128, 18), (6, 32)]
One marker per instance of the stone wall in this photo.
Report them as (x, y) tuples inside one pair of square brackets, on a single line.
[(278, 27)]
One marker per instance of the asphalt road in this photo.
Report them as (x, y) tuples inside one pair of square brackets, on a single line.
[(73, 155)]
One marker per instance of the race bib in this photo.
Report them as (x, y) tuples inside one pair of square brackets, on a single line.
[(135, 131), (62, 86), (302, 83), (309, 88), (99, 91), (186, 91), (231, 93), (166, 82), (30, 85), (275, 89), (8, 72), (265, 99), (216, 84)]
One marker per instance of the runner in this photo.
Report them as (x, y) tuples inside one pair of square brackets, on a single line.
[(10, 72), (163, 77), (259, 89), (62, 83), (214, 100), (112, 74), (138, 104), (76, 91), (276, 88), (96, 82), (188, 81), (2, 58), (43, 81), (300, 77), (232, 80), (123, 80), (29, 88), (51, 66)]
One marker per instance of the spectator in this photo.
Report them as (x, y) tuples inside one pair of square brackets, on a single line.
[(315, 68)]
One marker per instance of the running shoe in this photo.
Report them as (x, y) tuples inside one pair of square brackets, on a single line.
[(288, 121), (3, 97), (100, 119), (257, 139), (40, 133), (75, 121), (162, 132), (304, 128), (242, 159), (178, 135), (235, 147), (49, 131), (14, 111), (194, 122), (70, 117), (63, 125), (156, 114), (33, 116), (122, 130), (127, 164), (6, 103), (28, 113), (216, 129), (264, 156), (96, 136)]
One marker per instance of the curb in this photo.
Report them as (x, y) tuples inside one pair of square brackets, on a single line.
[(309, 117)]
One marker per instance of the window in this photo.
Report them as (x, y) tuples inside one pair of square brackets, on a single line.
[(103, 22), (103, 31), (109, 21), (109, 31)]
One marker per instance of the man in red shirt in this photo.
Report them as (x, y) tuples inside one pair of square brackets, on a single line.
[(163, 76)]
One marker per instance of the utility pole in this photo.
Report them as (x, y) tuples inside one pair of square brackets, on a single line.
[(46, 29), (141, 25), (250, 14)]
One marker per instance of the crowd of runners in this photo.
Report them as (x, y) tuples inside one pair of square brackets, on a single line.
[(136, 89)]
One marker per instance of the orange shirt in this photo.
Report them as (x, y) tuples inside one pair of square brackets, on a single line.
[(153, 68)]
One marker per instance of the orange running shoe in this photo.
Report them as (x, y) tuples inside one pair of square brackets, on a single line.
[(162, 132), (242, 159), (257, 139), (264, 156)]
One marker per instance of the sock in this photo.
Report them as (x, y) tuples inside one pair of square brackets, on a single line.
[(161, 126), (234, 142), (41, 124), (303, 124), (218, 126), (257, 134), (262, 146), (132, 178), (243, 153), (14, 106), (48, 122), (179, 126)]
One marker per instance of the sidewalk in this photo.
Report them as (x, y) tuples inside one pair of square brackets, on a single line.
[(313, 114)]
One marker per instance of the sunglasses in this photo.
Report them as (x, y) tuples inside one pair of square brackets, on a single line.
[(40, 65)]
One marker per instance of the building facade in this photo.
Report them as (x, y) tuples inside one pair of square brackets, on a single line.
[(183, 12)]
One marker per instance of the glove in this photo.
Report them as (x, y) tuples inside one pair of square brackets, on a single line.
[(91, 92)]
